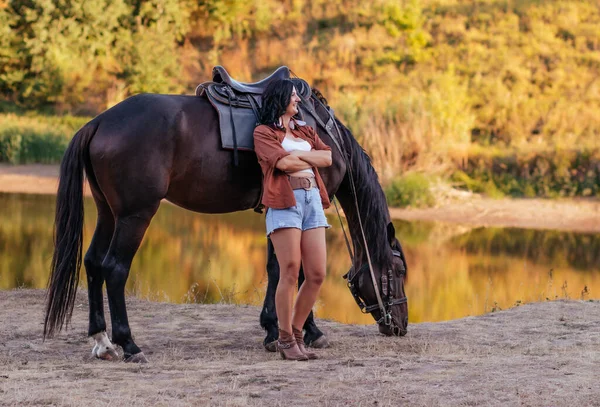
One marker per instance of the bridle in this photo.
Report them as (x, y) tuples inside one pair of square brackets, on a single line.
[(387, 289), (386, 280)]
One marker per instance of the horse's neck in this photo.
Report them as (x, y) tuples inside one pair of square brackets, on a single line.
[(372, 211)]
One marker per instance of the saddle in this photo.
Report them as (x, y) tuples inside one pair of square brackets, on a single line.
[(220, 75), (238, 105)]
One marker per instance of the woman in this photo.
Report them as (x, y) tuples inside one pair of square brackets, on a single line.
[(289, 153)]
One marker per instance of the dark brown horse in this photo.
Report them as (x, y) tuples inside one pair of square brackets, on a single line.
[(152, 147)]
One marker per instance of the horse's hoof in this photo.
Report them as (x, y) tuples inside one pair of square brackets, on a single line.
[(271, 346), (107, 353), (320, 343), (137, 358)]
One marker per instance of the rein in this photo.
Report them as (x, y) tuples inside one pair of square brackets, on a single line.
[(385, 311)]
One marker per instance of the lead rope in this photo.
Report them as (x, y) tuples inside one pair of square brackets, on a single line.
[(343, 230)]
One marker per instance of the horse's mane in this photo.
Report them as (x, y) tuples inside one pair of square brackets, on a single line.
[(317, 94), (372, 204)]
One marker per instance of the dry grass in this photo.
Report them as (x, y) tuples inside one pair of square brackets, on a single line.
[(537, 354)]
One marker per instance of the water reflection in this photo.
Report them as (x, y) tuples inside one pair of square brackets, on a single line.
[(187, 257)]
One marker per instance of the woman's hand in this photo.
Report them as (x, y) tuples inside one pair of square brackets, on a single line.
[(292, 163), (316, 158)]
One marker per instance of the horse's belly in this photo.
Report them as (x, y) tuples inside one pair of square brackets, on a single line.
[(209, 182), (222, 198)]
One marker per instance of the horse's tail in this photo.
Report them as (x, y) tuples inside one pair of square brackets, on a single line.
[(68, 233)]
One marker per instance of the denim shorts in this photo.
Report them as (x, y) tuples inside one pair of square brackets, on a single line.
[(306, 214)]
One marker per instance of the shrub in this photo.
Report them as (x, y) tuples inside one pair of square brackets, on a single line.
[(480, 185), (412, 189), (28, 145), (36, 138), (547, 174)]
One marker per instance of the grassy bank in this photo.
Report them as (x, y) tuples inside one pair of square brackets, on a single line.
[(546, 174), (35, 138), (552, 174)]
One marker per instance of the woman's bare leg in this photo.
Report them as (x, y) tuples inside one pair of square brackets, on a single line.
[(287, 248), (314, 262)]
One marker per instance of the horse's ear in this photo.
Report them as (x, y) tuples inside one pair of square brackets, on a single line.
[(391, 233)]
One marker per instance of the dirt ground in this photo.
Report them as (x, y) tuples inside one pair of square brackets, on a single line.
[(454, 206), (30, 179), (542, 354), (576, 215)]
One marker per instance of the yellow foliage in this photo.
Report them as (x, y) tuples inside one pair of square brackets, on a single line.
[(435, 77)]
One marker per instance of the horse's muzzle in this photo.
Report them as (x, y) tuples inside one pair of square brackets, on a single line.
[(394, 329)]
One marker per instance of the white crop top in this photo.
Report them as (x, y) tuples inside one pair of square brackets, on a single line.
[(292, 145)]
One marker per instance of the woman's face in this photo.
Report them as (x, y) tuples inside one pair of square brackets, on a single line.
[(292, 107)]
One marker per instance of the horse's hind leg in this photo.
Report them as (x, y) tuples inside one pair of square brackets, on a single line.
[(103, 349), (127, 236)]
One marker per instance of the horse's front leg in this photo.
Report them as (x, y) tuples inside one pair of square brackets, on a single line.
[(268, 315)]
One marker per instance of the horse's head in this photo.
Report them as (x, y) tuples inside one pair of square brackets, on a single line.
[(390, 282)]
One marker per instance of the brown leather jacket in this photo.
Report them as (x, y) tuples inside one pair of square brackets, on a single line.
[(277, 191)]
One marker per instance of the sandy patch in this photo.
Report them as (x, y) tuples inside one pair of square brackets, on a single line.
[(534, 355), (31, 179), (568, 215)]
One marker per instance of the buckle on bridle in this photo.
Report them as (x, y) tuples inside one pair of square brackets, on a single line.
[(385, 319)]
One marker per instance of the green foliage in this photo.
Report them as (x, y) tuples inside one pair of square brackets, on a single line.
[(35, 139), (412, 189), (561, 173), (227, 19), (147, 51), (485, 186), (68, 54), (421, 83), (23, 145)]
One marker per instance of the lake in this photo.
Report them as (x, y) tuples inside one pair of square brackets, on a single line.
[(454, 271)]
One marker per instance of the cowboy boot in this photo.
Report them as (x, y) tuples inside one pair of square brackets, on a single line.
[(287, 346), (300, 341)]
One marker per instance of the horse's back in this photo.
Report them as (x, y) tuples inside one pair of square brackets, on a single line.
[(153, 146)]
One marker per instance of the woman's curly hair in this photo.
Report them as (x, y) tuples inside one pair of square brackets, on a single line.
[(276, 99)]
